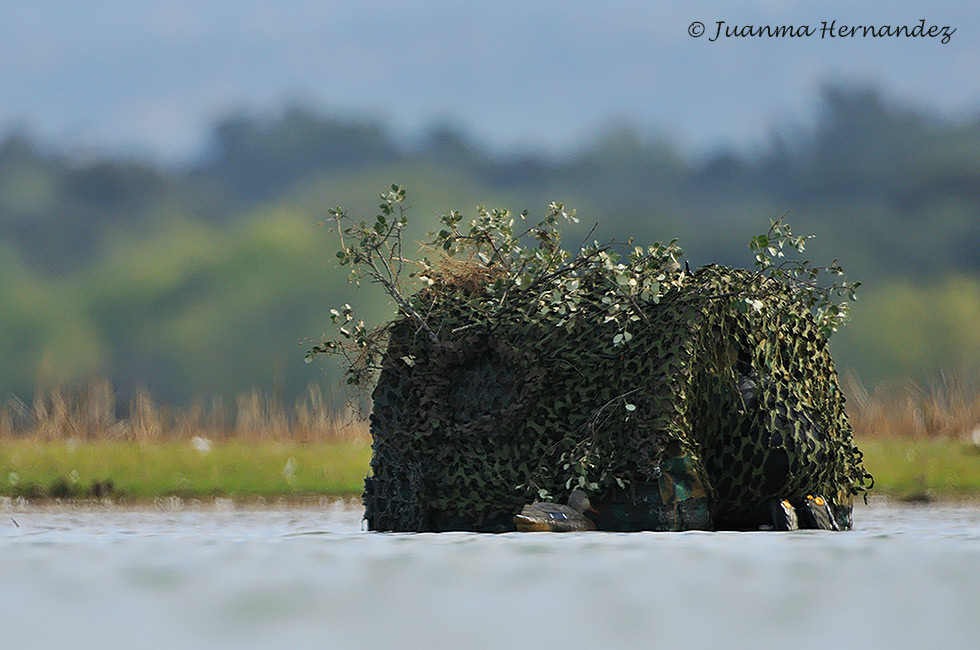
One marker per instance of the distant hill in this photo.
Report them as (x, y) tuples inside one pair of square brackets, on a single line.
[(202, 280)]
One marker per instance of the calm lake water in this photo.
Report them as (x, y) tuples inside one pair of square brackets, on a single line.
[(216, 576)]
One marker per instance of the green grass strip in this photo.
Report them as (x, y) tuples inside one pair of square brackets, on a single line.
[(923, 468), (147, 471), (142, 471)]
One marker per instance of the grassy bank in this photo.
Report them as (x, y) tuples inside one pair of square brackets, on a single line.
[(918, 442), (923, 469), (195, 468)]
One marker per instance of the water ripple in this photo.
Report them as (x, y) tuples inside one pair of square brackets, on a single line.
[(227, 578)]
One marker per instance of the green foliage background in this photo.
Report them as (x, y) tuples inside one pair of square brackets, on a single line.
[(204, 280)]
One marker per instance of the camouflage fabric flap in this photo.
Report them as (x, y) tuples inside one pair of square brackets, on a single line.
[(704, 416)]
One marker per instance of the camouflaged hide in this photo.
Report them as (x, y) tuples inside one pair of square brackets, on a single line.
[(731, 409)]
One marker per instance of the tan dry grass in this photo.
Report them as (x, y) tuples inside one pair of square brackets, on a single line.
[(468, 276), (949, 408), (91, 414)]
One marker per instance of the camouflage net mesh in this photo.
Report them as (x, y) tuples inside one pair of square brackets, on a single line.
[(705, 415)]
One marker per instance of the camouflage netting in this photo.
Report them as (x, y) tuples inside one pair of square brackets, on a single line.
[(705, 415)]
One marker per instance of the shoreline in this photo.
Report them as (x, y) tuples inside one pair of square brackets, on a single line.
[(10, 505), (21, 505)]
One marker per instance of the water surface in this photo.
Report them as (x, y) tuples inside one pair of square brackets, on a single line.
[(219, 576)]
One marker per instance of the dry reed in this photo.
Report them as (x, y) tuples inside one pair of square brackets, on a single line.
[(948, 408), (92, 414)]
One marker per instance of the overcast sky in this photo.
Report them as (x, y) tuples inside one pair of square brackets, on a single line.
[(518, 74)]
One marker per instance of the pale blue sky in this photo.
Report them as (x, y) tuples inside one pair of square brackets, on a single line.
[(152, 77)]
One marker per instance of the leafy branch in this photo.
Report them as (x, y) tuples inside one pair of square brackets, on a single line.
[(508, 267), (376, 251), (827, 302)]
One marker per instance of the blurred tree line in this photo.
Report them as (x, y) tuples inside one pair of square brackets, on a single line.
[(206, 279)]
